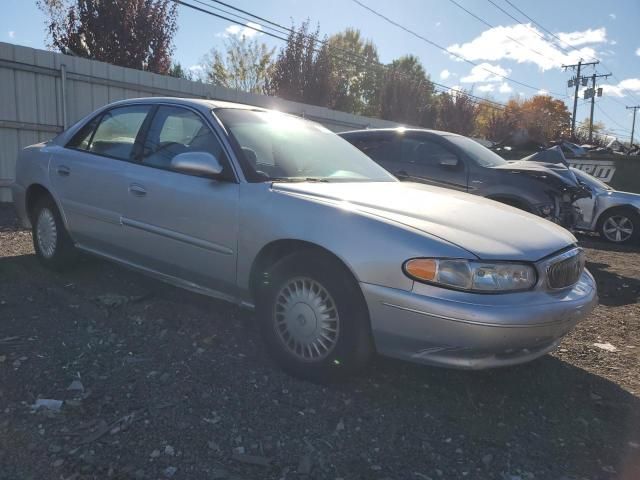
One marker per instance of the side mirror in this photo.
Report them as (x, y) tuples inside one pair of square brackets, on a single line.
[(448, 160), (202, 164)]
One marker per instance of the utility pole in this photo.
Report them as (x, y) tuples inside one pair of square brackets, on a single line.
[(591, 93), (576, 81), (633, 125)]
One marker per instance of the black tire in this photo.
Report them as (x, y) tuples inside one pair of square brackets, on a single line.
[(353, 345), (617, 215), (63, 254)]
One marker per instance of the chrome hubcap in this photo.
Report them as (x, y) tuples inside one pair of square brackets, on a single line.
[(47, 233), (306, 319), (618, 228)]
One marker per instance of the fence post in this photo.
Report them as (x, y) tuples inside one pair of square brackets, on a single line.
[(63, 88)]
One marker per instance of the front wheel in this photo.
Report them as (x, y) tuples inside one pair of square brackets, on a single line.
[(51, 241), (314, 318), (620, 226)]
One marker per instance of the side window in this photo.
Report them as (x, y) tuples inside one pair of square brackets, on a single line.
[(177, 130), (429, 153), (380, 149), (112, 134)]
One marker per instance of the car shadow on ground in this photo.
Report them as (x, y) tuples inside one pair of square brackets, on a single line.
[(138, 341), (614, 290)]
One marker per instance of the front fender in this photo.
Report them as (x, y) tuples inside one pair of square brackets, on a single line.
[(373, 248)]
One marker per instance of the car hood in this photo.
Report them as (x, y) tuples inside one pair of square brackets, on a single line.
[(542, 170), (488, 229)]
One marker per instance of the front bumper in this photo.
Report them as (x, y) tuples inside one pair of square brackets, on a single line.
[(435, 326)]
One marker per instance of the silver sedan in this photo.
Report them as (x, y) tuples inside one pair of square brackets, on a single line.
[(613, 214), (277, 213)]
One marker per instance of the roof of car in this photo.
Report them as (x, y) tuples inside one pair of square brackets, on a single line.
[(196, 102), (397, 130)]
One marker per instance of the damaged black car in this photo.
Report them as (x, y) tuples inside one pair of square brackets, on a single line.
[(453, 161)]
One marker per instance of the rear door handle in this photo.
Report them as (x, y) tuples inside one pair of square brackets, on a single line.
[(137, 190), (63, 171)]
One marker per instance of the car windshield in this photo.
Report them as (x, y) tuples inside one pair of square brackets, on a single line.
[(478, 153), (590, 181), (281, 147)]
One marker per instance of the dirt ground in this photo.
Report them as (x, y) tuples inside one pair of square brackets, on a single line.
[(158, 383)]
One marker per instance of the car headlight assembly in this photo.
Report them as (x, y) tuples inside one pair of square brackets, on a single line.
[(472, 275)]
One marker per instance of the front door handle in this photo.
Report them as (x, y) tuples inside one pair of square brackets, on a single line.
[(137, 190), (63, 171), (401, 174)]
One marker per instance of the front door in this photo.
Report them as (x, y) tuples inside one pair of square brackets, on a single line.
[(178, 224), (431, 161)]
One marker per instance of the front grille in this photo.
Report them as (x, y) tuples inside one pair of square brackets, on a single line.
[(566, 270)]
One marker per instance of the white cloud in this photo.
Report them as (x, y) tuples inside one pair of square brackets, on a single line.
[(575, 39), (248, 30), (12, 34), (485, 72), (542, 91), (505, 88), (444, 74), (486, 88), (496, 44), (638, 51), (438, 24), (612, 16), (626, 86), (613, 42)]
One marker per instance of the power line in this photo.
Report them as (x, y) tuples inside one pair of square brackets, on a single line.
[(483, 21), (602, 111), (436, 45), (524, 24), (447, 88), (560, 40)]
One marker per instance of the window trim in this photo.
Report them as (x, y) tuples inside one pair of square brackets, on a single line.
[(99, 117), (142, 135), (147, 126), (438, 140)]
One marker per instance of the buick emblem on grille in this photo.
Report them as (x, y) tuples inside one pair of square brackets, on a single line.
[(566, 270)]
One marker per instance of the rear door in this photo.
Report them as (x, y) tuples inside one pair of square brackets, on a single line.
[(177, 224), (88, 177)]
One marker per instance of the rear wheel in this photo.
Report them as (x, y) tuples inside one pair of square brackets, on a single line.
[(620, 226), (314, 318), (51, 241)]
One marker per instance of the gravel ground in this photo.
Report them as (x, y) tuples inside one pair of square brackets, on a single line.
[(158, 383)]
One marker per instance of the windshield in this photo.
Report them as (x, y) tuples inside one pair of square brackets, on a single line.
[(479, 154), (590, 181), (277, 146)]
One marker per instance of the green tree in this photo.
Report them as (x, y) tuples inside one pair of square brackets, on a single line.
[(177, 71), (302, 71), (456, 113), (356, 73), (243, 65), (406, 94), (130, 33)]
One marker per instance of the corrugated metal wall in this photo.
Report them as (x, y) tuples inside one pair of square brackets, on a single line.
[(32, 98)]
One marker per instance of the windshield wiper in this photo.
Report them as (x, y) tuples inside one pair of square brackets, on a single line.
[(297, 179)]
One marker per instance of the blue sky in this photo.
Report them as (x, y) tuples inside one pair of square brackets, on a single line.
[(587, 28)]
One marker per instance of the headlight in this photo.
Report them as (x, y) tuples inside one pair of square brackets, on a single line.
[(471, 275)]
